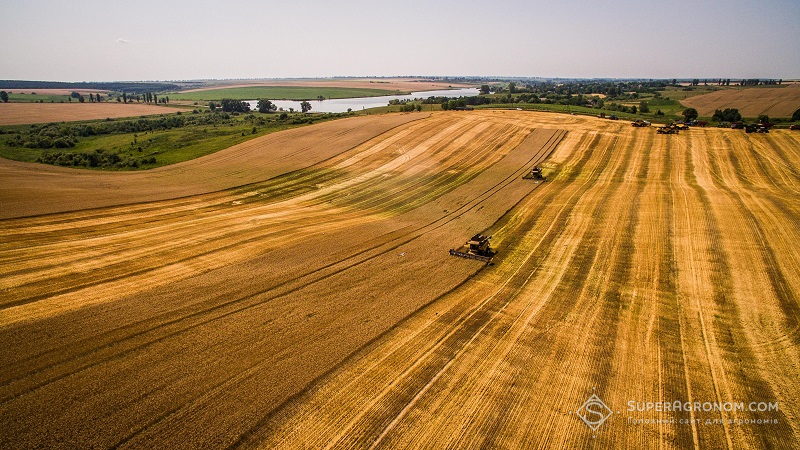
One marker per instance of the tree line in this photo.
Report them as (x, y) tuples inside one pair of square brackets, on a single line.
[(239, 106)]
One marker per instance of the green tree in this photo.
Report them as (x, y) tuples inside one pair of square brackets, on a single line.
[(689, 114), (124, 98), (484, 89), (212, 106), (265, 106), (305, 106), (795, 116), (727, 115), (4, 97), (512, 87), (643, 107), (763, 118), (230, 105)]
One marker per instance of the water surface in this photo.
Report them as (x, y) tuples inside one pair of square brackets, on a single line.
[(343, 104)]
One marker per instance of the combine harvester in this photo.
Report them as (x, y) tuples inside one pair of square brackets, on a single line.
[(672, 128), (534, 174), (667, 129), (476, 248)]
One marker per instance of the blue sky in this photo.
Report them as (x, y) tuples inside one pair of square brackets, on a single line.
[(177, 40)]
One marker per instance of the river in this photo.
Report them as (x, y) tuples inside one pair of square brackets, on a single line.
[(343, 104)]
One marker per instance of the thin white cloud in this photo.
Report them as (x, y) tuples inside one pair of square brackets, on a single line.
[(123, 41)]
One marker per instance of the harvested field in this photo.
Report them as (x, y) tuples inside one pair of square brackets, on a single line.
[(35, 189), (24, 113), (774, 101), (54, 91), (389, 84), (312, 303)]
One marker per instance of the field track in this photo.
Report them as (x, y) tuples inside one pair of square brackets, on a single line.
[(296, 291)]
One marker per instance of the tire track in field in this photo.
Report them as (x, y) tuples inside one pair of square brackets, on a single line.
[(291, 188), (469, 206), (557, 227), (352, 205), (673, 368), (518, 172), (180, 181), (735, 344), (669, 302), (718, 332), (147, 245), (467, 322), (718, 288), (528, 337)]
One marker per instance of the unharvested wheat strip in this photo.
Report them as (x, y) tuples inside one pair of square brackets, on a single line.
[(245, 305), (111, 217)]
